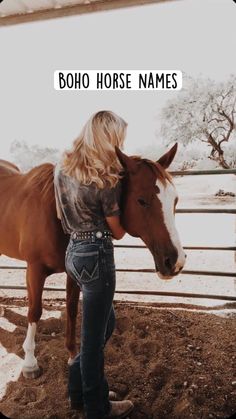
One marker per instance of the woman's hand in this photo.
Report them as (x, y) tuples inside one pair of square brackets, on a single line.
[(116, 228)]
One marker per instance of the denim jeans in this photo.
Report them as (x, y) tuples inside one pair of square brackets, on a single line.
[(91, 264)]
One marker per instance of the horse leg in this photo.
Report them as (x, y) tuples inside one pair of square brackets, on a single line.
[(35, 277), (72, 298)]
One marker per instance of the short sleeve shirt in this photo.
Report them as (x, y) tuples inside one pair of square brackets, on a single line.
[(84, 207)]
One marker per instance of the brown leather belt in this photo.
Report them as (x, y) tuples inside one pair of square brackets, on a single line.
[(83, 235)]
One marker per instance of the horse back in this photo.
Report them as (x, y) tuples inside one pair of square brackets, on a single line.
[(29, 228), (8, 168)]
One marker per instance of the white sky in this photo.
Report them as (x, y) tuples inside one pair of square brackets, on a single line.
[(195, 36)]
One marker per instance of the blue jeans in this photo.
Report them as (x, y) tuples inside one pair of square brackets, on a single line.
[(91, 264)]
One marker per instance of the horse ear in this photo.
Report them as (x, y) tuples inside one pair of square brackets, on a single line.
[(167, 158), (127, 162)]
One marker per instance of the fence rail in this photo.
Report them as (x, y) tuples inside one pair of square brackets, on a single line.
[(186, 272), (138, 292), (145, 271), (206, 211), (139, 246), (203, 172)]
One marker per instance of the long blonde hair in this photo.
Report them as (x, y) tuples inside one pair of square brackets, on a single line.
[(93, 157)]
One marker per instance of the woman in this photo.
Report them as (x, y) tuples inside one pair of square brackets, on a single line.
[(87, 186)]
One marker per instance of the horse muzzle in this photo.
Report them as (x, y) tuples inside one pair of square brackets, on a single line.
[(168, 267)]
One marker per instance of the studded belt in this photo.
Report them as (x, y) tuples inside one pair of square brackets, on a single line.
[(83, 235)]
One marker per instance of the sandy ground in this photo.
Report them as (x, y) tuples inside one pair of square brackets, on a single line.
[(173, 364)]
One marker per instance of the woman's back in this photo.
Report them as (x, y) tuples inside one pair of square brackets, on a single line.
[(84, 207)]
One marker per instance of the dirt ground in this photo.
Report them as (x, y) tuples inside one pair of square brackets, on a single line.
[(172, 364)]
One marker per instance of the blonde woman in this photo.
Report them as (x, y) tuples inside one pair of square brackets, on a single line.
[(87, 187)]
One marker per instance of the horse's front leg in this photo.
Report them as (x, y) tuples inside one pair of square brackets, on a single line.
[(35, 277), (72, 298)]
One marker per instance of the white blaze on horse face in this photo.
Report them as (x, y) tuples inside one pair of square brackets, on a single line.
[(30, 362), (167, 196)]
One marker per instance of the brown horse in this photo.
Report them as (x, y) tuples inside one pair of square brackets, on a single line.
[(31, 231)]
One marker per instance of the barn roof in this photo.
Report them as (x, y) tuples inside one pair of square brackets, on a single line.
[(21, 11)]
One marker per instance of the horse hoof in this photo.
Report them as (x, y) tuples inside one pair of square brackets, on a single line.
[(33, 372)]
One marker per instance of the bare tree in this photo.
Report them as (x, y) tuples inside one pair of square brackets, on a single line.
[(206, 111), (27, 156)]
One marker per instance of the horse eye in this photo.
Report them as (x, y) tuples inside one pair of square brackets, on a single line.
[(143, 203), (157, 190)]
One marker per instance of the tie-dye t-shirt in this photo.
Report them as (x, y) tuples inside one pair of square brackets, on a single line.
[(84, 207)]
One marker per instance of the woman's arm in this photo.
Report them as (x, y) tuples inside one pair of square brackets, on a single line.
[(116, 228)]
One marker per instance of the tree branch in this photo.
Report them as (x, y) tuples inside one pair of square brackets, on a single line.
[(215, 119)]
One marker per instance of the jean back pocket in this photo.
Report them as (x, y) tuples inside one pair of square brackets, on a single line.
[(85, 266)]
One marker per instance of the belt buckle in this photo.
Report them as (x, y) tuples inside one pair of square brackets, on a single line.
[(98, 234)]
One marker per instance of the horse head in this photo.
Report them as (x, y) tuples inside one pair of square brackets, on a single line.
[(149, 198)]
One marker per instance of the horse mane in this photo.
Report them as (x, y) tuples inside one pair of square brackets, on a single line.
[(41, 178), (157, 169)]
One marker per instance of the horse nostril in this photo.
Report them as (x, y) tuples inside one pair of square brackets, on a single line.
[(170, 261), (168, 264)]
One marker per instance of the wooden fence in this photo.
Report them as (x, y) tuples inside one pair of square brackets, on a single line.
[(185, 272)]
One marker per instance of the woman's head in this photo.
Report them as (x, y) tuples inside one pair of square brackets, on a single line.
[(93, 157)]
